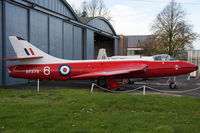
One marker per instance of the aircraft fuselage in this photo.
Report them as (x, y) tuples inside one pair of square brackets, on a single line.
[(66, 71)]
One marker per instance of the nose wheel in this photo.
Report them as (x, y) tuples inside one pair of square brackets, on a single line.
[(172, 84)]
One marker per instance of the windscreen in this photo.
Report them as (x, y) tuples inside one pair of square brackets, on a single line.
[(164, 57)]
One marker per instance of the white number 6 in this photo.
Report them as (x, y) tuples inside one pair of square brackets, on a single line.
[(46, 70)]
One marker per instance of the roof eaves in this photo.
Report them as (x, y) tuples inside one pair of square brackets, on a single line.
[(71, 9)]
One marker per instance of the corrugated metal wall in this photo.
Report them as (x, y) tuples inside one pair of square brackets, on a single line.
[(68, 41), (39, 30), (55, 31), (78, 54), (89, 47), (16, 23), (49, 32), (1, 42)]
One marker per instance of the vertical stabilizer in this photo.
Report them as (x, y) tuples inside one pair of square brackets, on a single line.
[(29, 54), (102, 54)]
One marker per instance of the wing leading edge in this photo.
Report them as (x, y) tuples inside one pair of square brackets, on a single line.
[(114, 71)]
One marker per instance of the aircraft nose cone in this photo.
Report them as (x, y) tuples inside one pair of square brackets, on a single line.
[(197, 67)]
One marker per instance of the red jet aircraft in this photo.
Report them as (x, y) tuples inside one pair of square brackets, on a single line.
[(36, 64)]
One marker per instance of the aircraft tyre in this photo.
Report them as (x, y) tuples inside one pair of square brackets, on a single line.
[(102, 83), (130, 82), (172, 85)]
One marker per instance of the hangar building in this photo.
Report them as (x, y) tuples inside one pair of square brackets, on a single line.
[(54, 27)]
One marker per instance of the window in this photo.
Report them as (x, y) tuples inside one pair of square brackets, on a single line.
[(133, 52), (137, 52)]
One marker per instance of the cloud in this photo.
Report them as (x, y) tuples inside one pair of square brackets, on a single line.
[(75, 3), (128, 21), (135, 17)]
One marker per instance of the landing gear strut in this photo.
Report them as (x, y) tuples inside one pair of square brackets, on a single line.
[(172, 84), (127, 81), (109, 83)]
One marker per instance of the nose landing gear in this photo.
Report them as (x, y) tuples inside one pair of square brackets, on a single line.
[(172, 84)]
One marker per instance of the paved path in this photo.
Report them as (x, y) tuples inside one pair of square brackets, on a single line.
[(157, 83)]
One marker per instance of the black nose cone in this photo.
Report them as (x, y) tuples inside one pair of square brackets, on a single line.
[(197, 67)]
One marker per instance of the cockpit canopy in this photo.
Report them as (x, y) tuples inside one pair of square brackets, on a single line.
[(164, 57)]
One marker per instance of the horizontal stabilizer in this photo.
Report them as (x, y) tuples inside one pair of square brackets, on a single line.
[(23, 58)]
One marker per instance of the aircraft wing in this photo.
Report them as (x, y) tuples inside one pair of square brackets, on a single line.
[(114, 71)]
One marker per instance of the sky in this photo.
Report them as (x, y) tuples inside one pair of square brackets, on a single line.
[(135, 17)]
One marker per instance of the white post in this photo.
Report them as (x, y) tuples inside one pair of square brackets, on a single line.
[(190, 61), (144, 90), (92, 88), (197, 74), (38, 85), (188, 77)]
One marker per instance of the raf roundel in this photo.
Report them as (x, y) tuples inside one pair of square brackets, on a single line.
[(64, 70)]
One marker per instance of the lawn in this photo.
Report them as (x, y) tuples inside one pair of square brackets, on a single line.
[(79, 111)]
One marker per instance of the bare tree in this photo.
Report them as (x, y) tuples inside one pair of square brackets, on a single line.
[(94, 8), (150, 46), (172, 34)]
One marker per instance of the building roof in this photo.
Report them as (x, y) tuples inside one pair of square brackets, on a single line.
[(71, 9), (85, 20), (59, 6), (92, 21)]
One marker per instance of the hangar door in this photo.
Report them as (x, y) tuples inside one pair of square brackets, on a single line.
[(104, 37), (16, 24), (101, 41)]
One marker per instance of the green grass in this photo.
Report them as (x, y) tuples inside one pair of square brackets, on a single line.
[(79, 111)]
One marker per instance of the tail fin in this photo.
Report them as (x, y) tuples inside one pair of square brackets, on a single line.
[(102, 54), (26, 52)]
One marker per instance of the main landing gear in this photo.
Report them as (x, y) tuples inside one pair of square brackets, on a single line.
[(102, 82), (112, 84), (172, 84), (109, 83), (127, 81)]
